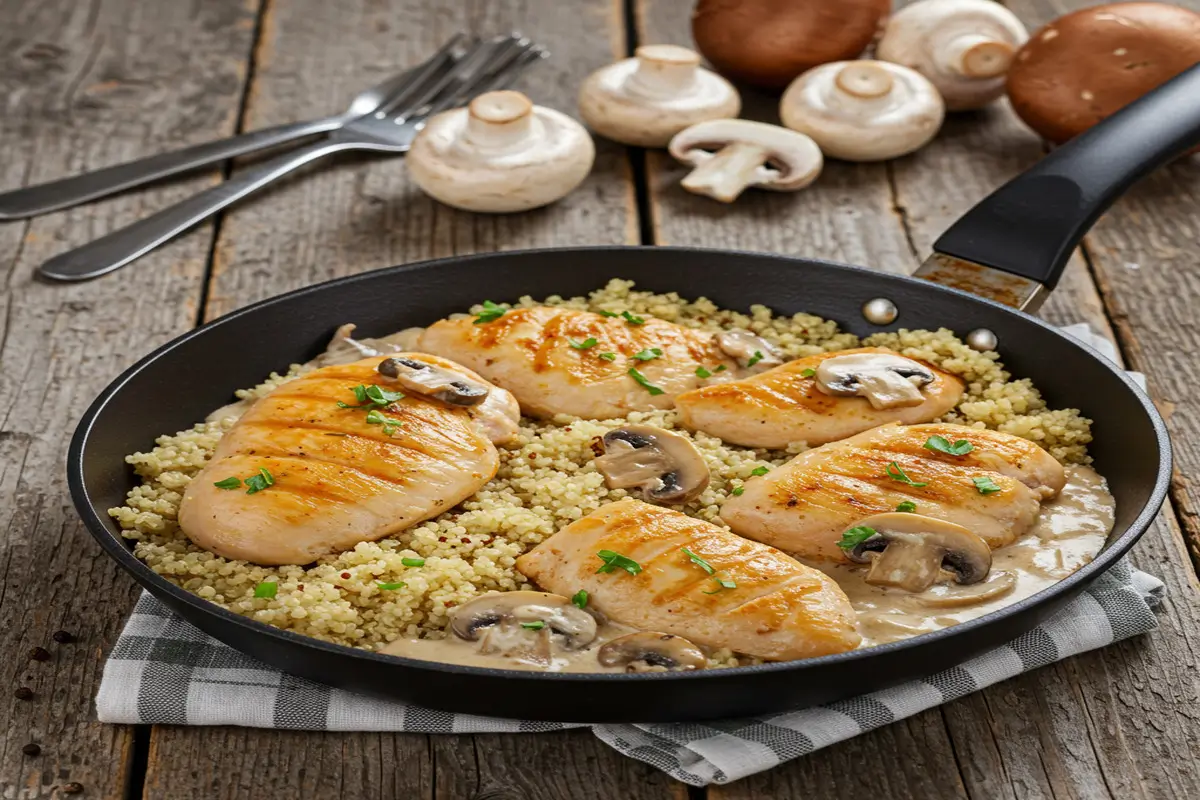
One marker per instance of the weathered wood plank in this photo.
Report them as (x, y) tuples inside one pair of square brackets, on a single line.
[(549, 766), (1074, 729), (86, 85), (354, 215)]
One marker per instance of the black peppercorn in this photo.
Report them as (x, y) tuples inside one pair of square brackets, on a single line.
[(73, 788), (39, 654), (31, 749), (23, 693), (63, 637)]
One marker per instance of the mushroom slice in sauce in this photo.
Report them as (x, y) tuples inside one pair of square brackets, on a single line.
[(886, 380), (913, 552), (647, 650), (503, 621), (998, 585), (664, 466), (343, 348), (749, 350), (441, 384)]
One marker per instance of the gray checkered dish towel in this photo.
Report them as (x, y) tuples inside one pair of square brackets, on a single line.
[(165, 671)]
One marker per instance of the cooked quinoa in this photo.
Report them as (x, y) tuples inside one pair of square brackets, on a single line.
[(546, 480)]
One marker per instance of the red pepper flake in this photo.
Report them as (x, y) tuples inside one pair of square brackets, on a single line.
[(441, 538), (533, 455), (300, 587), (345, 576), (465, 540)]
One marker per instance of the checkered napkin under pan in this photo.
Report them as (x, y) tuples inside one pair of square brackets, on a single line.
[(165, 671)]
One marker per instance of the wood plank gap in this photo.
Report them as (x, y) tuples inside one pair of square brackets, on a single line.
[(901, 213), (637, 155), (139, 763), (256, 39)]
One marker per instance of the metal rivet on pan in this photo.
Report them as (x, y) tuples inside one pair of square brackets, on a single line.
[(880, 311), (982, 339)]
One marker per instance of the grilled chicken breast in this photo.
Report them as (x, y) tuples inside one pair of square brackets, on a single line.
[(784, 405), (804, 506), (780, 609), (338, 479), (528, 351)]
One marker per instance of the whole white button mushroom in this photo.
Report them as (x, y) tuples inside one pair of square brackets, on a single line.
[(731, 155), (964, 47), (863, 110), (647, 99), (499, 154)]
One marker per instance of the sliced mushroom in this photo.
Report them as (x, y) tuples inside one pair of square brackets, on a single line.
[(913, 552), (964, 47), (506, 611), (433, 381), (863, 110), (647, 650), (731, 155), (500, 154), (663, 465), (647, 99), (995, 587), (884, 379), (746, 347)]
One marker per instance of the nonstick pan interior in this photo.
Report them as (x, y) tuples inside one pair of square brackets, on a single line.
[(182, 382)]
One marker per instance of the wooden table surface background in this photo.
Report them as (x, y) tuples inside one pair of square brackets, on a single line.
[(89, 83)]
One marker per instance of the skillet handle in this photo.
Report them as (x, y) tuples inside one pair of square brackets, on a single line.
[(1030, 225)]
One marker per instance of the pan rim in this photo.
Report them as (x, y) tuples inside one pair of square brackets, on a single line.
[(116, 548)]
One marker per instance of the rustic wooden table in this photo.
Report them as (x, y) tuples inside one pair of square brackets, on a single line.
[(87, 83)]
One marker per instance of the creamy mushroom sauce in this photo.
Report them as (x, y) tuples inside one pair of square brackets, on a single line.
[(454, 650), (1068, 533)]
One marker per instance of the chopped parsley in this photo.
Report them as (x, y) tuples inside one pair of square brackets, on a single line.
[(754, 359), (609, 356), (855, 536), (632, 319), (807, 373), (648, 354), (697, 560), (760, 471), (614, 561), (586, 344), (266, 589), (580, 599), (536, 625), (387, 587), (644, 381), (389, 424), (985, 485), (701, 372), (897, 474), (722, 584), (941, 444), (228, 483), (608, 314), (412, 562), (907, 507), (490, 313), (256, 483), (372, 397), (737, 492), (720, 368)]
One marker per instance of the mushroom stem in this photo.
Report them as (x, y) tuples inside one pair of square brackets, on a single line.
[(864, 79), (976, 56), (499, 121), (912, 566), (727, 174), (663, 71)]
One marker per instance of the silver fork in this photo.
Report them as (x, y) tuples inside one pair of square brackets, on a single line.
[(491, 65), (55, 195)]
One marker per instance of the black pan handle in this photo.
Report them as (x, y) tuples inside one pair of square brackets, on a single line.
[(1030, 225)]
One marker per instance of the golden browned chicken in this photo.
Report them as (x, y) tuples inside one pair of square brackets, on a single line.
[(993, 489), (785, 404), (564, 361), (301, 474), (695, 580)]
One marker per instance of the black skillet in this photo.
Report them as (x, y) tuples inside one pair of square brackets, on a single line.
[(1012, 246)]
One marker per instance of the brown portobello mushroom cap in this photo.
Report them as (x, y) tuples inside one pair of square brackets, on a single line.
[(1083, 67), (770, 42)]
